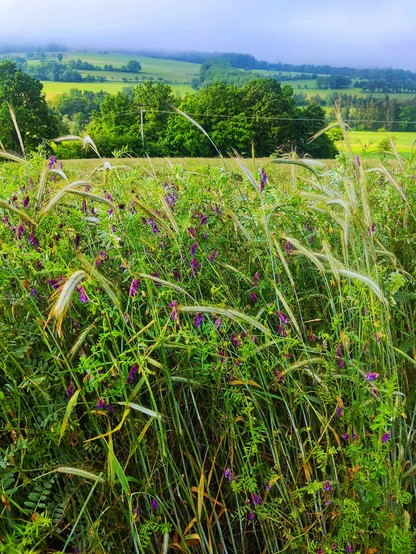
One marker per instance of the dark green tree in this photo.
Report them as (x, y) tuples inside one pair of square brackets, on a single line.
[(24, 95), (219, 109), (271, 110), (308, 122)]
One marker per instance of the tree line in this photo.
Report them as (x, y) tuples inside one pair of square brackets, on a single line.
[(262, 115)]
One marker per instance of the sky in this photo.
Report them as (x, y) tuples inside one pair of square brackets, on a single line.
[(359, 33)]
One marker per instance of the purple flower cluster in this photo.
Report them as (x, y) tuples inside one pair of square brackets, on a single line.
[(102, 405), (263, 179), (198, 320), (134, 287), (338, 357), (82, 294)]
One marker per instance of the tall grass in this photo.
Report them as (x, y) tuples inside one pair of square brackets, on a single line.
[(216, 361)]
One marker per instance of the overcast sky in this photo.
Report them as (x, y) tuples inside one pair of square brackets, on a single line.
[(360, 33)]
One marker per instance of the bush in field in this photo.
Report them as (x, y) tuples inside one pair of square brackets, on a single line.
[(207, 360)]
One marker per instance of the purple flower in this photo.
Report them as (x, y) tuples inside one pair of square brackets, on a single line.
[(263, 179), (198, 320), (256, 499), (30, 183), (155, 504), (134, 287), (228, 474), (251, 515), (102, 405), (84, 206), (20, 231), (349, 548), (281, 331), (26, 201), (357, 161), (279, 377), (153, 225), (386, 437), (51, 162), (345, 436), (193, 248), (253, 297), (194, 266), (82, 295), (334, 547), (235, 340), (320, 551), (371, 376), (327, 486), (339, 411), (256, 279), (70, 391), (33, 240), (288, 247), (133, 370), (218, 323), (282, 317), (213, 255), (33, 291), (372, 229)]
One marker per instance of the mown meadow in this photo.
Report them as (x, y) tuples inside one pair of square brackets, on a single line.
[(207, 359)]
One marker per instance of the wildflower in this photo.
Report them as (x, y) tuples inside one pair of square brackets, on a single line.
[(282, 317), (279, 377), (288, 247), (334, 547), (308, 227), (51, 162), (349, 548), (281, 331), (102, 405), (357, 161), (372, 229), (256, 499), (153, 225), (33, 240), (26, 201), (253, 297), (70, 391), (263, 179), (345, 436), (320, 551), (82, 295), (193, 248), (127, 319), (77, 240), (386, 437), (194, 266), (256, 279), (327, 486), (213, 255), (134, 287), (155, 504), (198, 320), (191, 231), (20, 231), (371, 376), (235, 340), (355, 436), (251, 515), (30, 183), (33, 292), (84, 206), (174, 312), (228, 474), (218, 323), (268, 487), (133, 370)]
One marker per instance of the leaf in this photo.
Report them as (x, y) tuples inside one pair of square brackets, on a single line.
[(69, 407)]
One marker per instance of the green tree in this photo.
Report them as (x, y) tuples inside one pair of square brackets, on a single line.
[(271, 110), (133, 66), (116, 125), (24, 95), (309, 121), (154, 101), (219, 109)]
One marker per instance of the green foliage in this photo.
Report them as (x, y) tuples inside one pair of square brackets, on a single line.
[(24, 95)]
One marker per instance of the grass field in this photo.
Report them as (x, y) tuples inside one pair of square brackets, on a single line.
[(52, 89), (370, 143)]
